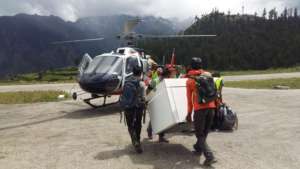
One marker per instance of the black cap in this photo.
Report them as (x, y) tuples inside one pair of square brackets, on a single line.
[(196, 63)]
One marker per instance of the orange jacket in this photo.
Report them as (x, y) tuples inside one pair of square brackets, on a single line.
[(192, 93)]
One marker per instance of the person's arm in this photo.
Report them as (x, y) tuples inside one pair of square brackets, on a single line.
[(143, 86), (221, 89), (189, 94)]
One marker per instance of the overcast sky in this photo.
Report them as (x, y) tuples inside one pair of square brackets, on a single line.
[(73, 9)]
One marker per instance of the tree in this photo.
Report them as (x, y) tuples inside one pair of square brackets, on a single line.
[(295, 13), (273, 14), (197, 18), (264, 14), (239, 44), (285, 13), (228, 15)]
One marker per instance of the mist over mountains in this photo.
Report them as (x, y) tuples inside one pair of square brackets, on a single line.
[(25, 40)]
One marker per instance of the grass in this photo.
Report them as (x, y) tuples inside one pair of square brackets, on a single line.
[(68, 75), (293, 83), (268, 71), (31, 97), (65, 75)]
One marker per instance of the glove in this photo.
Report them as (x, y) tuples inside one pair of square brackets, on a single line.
[(189, 118)]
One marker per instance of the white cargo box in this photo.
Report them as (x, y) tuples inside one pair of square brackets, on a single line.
[(168, 105)]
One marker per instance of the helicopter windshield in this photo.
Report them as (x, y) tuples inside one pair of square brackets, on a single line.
[(106, 64)]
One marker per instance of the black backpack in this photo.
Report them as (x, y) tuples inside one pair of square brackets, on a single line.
[(130, 96), (206, 88), (228, 118)]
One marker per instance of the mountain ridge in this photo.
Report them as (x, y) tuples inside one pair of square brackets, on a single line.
[(25, 40)]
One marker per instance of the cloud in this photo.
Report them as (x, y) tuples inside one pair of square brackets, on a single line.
[(73, 9)]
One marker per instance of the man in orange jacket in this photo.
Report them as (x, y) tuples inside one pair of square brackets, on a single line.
[(203, 112)]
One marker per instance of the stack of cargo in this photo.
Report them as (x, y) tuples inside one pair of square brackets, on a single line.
[(168, 105)]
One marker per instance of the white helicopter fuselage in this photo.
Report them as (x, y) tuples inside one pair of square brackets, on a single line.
[(103, 70)]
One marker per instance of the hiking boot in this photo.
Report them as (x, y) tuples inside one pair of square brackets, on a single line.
[(209, 162), (163, 140), (197, 150), (138, 148)]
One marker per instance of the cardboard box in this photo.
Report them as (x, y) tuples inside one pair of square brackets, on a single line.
[(168, 105)]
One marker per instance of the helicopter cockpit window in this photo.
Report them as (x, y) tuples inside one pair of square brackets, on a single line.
[(130, 63), (106, 64), (121, 51)]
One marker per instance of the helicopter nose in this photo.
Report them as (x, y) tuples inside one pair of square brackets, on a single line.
[(112, 82), (99, 83)]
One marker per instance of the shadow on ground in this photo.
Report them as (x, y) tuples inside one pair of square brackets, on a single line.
[(93, 112), (160, 156), (77, 114)]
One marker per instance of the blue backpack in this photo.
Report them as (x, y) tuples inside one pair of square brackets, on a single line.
[(130, 96)]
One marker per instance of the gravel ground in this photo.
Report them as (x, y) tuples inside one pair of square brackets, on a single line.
[(71, 135)]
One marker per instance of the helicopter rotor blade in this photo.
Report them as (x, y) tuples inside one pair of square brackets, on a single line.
[(76, 41), (175, 36)]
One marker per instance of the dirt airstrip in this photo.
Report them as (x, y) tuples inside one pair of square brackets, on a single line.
[(71, 135)]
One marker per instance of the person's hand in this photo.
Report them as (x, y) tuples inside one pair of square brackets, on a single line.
[(189, 118)]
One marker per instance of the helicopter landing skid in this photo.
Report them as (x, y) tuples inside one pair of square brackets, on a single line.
[(88, 101)]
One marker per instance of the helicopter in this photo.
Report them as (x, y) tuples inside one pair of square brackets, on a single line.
[(105, 74)]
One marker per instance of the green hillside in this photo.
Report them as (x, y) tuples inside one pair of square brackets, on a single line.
[(243, 42)]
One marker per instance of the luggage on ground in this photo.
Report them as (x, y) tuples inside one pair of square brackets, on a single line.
[(225, 118)]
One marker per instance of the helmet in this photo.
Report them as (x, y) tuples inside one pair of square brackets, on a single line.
[(196, 63)]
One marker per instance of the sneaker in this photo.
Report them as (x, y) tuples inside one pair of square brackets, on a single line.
[(163, 140), (196, 148), (209, 162)]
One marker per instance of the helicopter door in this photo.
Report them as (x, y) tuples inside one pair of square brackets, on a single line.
[(84, 64), (129, 64)]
